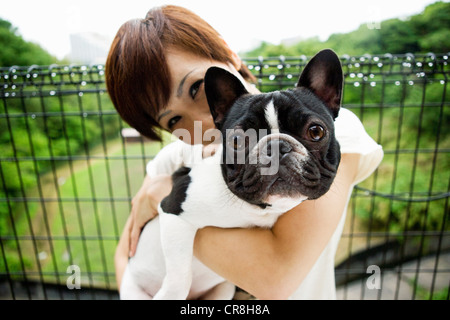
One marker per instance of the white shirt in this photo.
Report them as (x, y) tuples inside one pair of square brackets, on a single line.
[(352, 137)]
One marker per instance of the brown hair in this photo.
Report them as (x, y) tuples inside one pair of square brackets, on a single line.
[(137, 74)]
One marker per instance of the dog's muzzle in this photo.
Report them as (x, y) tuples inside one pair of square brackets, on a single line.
[(272, 149)]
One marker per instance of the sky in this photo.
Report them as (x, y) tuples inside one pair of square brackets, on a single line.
[(242, 23)]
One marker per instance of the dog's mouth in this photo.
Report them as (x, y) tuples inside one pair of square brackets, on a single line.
[(272, 185), (257, 188)]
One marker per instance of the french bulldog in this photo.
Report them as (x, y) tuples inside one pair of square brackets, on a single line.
[(278, 149)]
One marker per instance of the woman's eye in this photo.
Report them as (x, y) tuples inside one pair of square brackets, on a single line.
[(173, 121), (195, 88)]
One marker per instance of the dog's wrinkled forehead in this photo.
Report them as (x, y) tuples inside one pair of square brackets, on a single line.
[(249, 111), (279, 110)]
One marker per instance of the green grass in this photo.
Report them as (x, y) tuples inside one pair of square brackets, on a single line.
[(84, 232), (408, 175)]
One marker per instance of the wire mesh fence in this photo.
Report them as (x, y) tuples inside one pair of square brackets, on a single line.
[(69, 169)]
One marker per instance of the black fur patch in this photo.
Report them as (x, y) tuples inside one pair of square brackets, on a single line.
[(181, 180)]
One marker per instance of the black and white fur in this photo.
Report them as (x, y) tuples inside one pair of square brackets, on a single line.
[(299, 125)]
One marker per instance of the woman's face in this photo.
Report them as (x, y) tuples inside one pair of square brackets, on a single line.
[(187, 102)]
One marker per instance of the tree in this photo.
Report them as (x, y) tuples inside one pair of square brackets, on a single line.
[(398, 36), (432, 27), (428, 31), (16, 51)]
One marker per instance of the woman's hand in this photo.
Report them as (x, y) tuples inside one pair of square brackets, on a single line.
[(145, 206)]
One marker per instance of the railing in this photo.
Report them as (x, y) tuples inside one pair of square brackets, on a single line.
[(67, 177)]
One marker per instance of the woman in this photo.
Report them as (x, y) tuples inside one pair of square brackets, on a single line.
[(154, 74)]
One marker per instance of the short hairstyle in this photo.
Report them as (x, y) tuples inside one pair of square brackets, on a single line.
[(137, 75)]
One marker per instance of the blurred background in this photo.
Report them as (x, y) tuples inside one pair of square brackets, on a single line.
[(69, 166), (82, 31)]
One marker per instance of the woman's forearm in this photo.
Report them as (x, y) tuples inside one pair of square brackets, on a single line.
[(269, 264), (230, 253), (121, 254)]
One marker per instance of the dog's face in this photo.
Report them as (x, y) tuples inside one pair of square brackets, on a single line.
[(280, 144)]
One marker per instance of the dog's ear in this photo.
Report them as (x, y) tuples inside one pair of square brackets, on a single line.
[(323, 76), (222, 89)]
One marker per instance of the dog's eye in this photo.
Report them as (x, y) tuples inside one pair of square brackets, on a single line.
[(316, 133), (236, 141)]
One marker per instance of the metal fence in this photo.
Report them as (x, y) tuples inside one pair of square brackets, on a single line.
[(67, 177)]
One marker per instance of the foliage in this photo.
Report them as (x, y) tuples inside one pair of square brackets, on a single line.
[(16, 51), (428, 31), (45, 128)]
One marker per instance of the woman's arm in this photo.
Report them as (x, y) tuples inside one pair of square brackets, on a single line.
[(122, 252), (145, 205), (271, 264)]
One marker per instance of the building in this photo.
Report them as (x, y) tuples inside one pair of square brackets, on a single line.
[(89, 48)]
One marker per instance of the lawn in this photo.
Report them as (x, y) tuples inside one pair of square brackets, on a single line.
[(87, 204)]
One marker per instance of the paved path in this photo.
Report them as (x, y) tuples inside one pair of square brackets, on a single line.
[(398, 283)]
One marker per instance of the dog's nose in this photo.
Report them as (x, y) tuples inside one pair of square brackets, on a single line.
[(285, 147), (275, 147)]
